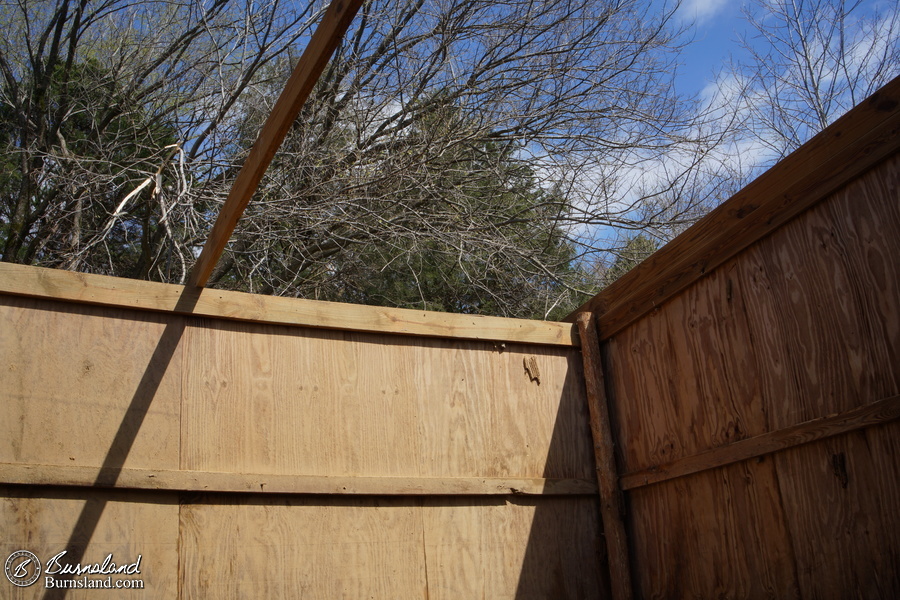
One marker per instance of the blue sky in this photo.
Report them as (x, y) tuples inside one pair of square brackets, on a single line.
[(716, 26)]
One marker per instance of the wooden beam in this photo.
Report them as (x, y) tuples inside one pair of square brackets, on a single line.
[(313, 61), (37, 282), (854, 143), (204, 481), (611, 501), (876, 413)]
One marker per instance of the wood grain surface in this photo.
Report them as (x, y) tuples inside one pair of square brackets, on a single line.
[(278, 459), (73, 378), (785, 357), (803, 325), (346, 404), (840, 499), (44, 521), (714, 534), (388, 548)]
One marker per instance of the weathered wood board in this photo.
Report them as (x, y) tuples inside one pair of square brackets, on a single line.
[(802, 325)]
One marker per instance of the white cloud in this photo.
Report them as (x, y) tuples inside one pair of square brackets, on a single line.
[(699, 11)]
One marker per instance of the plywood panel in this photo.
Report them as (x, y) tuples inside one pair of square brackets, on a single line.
[(840, 286), (565, 556), (520, 549), (88, 386), (106, 397), (379, 548), (481, 413), (831, 299), (302, 548), (716, 534), (802, 325), (299, 402), (841, 497), (92, 524), (266, 399), (685, 378)]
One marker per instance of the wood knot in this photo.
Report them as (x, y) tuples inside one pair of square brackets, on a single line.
[(744, 211), (884, 104), (839, 466)]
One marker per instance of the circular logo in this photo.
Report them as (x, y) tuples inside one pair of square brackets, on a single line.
[(23, 568)]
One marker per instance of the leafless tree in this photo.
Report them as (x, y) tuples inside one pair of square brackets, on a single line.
[(504, 139), (809, 62), (112, 123), (456, 154), (812, 60)]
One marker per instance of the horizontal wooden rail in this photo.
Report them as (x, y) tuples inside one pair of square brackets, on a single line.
[(101, 290), (856, 142), (204, 481), (876, 413)]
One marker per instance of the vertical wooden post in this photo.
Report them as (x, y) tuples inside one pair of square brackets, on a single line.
[(611, 502)]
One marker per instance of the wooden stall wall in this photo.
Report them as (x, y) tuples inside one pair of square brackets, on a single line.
[(243, 459), (755, 413)]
